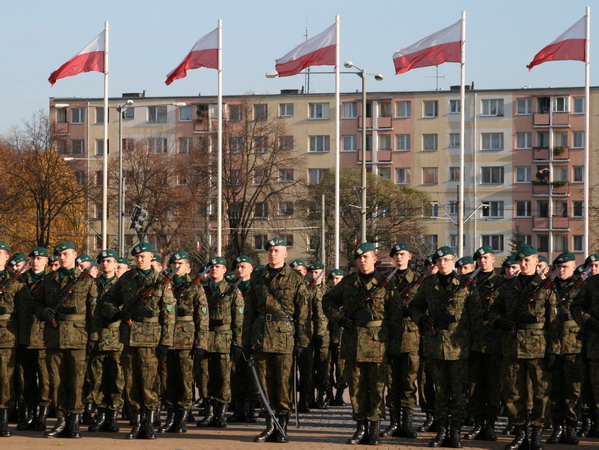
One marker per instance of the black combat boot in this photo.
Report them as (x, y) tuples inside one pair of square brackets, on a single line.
[(474, 433), (4, 431), (302, 405), (42, 417), (239, 415), (393, 425), (88, 414), (339, 397), (283, 421), (136, 423), (536, 442), (180, 425), (374, 432), (28, 423), (251, 415), (150, 417), (455, 440), (21, 412), (361, 434), (111, 424), (509, 428), (100, 421), (520, 439), (428, 423), (489, 431), (220, 420), (558, 431), (321, 403), (407, 429), (267, 432), (586, 426), (73, 425), (441, 434), (208, 417), (58, 430), (169, 422), (329, 397), (569, 436)]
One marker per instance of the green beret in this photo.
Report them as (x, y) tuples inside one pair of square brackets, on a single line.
[(444, 251), (564, 257), (83, 258), (157, 257), (39, 251), (230, 276), (107, 254), (65, 245), (580, 269), (316, 266), (17, 258), (4, 246), (52, 259), (364, 247), (483, 251), (399, 247), (141, 248), (123, 260), (543, 259), (464, 260), (510, 260), (527, 250), (297, 262), (275, 242), (337, 273), (218, 260), (245, 259), (179, 254), (591, 258)]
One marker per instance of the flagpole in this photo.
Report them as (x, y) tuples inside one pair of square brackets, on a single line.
[(337, 146), (219, 206), (462, 136), (587, 105), (105, 244)]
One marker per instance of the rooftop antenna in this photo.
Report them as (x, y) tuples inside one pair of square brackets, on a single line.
[(307, 72), (437, 76)]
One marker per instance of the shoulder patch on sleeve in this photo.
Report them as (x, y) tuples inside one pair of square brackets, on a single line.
[(204, 310), (240, 310), (169, 308)]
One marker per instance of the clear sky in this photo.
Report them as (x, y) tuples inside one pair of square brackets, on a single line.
[(149, 38)]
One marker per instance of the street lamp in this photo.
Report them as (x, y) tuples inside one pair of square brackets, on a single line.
[(378, 77)]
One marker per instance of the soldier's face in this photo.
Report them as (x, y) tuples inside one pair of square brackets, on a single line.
[(445, 264), (276, 256), (156, 265), (66, 258), (217, 272), (180, 267), (94, 271), (512, 270), (465, 269), (402, 258), (38, 263), (301, 270), (595, 269), (109, 266), (244, 270), (486, 262), (337, 279), (84, 265), (541, 266), (54, 266), (529, 264), (121, 269), (16, 267), (366, 262), (143, 260), (4, 257), (566, 270), (315, 273)]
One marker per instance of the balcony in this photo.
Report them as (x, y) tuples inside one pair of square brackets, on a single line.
[(559, 153), (382, 156), (559, 119), (557, 223), (557, 188), (381, 122), (205, 125)]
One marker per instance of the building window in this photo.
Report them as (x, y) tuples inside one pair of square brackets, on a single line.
[(560, 104), (524, 106), (260, 112), (432, 242), (99, 114), (236, 144), (542, 242), (128, 144), (185, 113), (286, 110), (402, 142), (402, 176), (350, 143), (157, 114), (492, 175), (234, 177), (261, 144), (578, 105), (429, 142), (542, 139), (234, 113), (384, 141), (285, 175), (454, 140), (98, 179), (493, 209), (455, 106), (203, 143), (492, 141), (61, 115), (429, 175), (350, 110), (560, 173), (431, 108), (493, 107), (522, 174), (185, 144), (77, 115), (385, 172), (403, 109), (286, 143), (577, 209), (78, 146), (80, 177), (128, 113), (524, 140), (578, 139), (261, 210), (98, 242), (493, 240), (99, 146), (286, 209), (61, 146), (318, 111), (157, 145), (431, 210), (260, 241), (384, 109), (578, 243), (319, 144), (578, 174), (260, 177), (454, 174), (313, 243), (523, 208), (560, 243), (453, 209), (315, 176)]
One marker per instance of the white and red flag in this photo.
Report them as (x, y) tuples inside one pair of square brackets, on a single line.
[(570, 45), (204, 53), (442, 46), (90, 59), (316, 51)]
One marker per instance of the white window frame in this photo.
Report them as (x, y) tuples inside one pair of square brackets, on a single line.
[(522, 174), (319, 144), (560, 104), (434, 104), (491, 142), (350, 110), (525, 136), (577, 174), (492, 107), (496, 241), (349, 143), (286, 209), (403, 109), (185, 113), (403, 142), (435, 171), (384, 141), (578, 139), (527, 106), (430, 146), (451, 173), (260, 111), (455, 106), (494, 173), (157, 114), (494, 209), (578, 105), (78, 116), (286, 110), (185, 145), (318, 111), (316, 173), (78, 149), (454, 140), (527, 208), (157, 146), (286, 176), (402, 176)]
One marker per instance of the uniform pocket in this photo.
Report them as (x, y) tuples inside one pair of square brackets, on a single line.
[(145, 334)]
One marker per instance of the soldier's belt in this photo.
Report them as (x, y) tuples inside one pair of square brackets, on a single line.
[(184, 318), (226, 327), (5, 317), (371, 323), (530, 326), (182, 312), (67, 317), (67, 310), (276, 318), (570, 323), (145, 319)]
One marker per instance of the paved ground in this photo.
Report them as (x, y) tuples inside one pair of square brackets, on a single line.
[(319, 430)]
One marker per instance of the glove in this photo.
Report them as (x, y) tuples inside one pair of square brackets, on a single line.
[(236, 353), (247, 352), (505, 323), (550, 360), (198, 353), (91, 346), (161, 351), (333, 346), (297, 351), (125, 315), (442, 316), (346, 322), (426, 322), (317, 341), (593, 324), (47, 314)]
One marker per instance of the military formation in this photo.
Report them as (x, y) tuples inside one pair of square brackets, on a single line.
[(88, 341)]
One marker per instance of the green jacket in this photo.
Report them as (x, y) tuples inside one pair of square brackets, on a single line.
[(191, 326), (226, 309), (31, 329), (571, 335), (364, 341), (317, 325), (71, 333), (585, 305), (405, 335), (452, 340), (144, 331), (528, 341), (106, 333), (333, 315), (276, 311), (489, 338), (13, 300)]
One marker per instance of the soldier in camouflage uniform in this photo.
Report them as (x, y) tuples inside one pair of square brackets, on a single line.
[(273, 330), (464, 265), (146, 330), (36, 382), (484, 371), (105, 369), (448, 330), (530, 343), (336, 365), (299, 265), (53, 263), (66, 337), (568, 373), (190, 342), (364, 341), (226, 308), (123, 266), (403, 358), (14, 296)]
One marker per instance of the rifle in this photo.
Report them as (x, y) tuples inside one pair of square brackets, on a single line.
[(517, 313), (66, 291), (406, 291), (14, 277), (563, 297), (315, 280), (366, 316), (186, 286), (440, 313), (487, 296), (147, 293)]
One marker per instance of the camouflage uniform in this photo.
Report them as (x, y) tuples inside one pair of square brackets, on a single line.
[(336, 365)]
